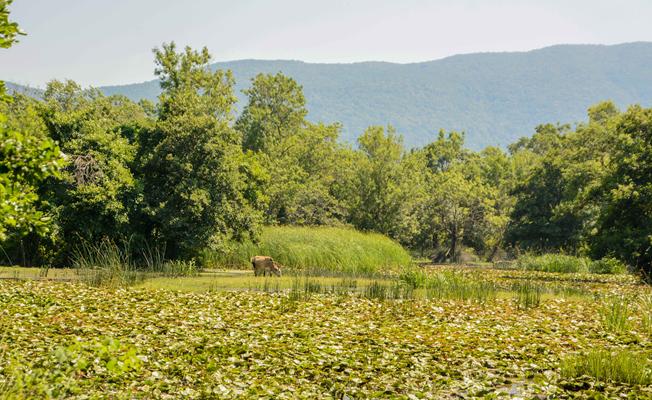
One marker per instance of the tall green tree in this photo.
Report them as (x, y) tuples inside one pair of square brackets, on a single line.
[(307, 166), (276, 110), (26, 160), (624, 225), (9, 31), (465, 201), (382, 184), (537, 221), (97, 191), (199, 188)]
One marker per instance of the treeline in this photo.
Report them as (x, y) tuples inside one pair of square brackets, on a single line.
[(186, 176)]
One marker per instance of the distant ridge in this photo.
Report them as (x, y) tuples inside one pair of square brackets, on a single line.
[(494, 97)]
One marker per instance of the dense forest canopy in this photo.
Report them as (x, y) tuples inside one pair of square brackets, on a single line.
[(186, 176)]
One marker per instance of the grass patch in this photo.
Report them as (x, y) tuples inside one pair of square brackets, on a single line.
[(238, 280), (105, 264), (562, 263), (607, 266), (319, 251), (620, 367), (554, 263), (449, 284), (615, 315), (528, 294), (646, 314)]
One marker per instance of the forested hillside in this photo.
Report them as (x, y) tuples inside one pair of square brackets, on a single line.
[(494, 97)]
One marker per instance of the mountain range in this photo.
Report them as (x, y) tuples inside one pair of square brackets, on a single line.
[(495, 98)]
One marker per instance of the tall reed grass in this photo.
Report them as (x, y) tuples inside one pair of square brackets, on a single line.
[(621, 367), (554, 263), (105, 264), (449, 285), (528, 294), (645, 306), (319, 251), (108, 264), (615, 315), (570, 264)]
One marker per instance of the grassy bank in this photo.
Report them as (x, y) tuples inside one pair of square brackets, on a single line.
[(319, 250)]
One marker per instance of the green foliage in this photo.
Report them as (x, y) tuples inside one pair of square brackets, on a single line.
[(624, 225), (58, 375), (645, 307), (25, 162), (529, 295), (615, 314), (554, 263), (276, 111), (8, 30), (449, 285), (319, 249), (382, 186), (183, 176), (463, 199), (619, 367), (199, 189), (105, 264), (98, 191), (308, 170), (570, 264), (607, 265)]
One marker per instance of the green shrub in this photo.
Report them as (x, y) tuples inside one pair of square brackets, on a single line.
[(621, 367), (414, 277), (608, 265), (554, 263), (319, 250)]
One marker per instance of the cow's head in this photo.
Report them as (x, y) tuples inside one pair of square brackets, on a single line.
[(276, 268)]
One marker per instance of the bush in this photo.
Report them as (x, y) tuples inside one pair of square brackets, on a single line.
[(319, 250), (608, 266)]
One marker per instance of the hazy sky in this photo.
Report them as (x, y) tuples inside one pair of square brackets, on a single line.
[(99, 42)]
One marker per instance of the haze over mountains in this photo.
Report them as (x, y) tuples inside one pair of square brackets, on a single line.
[(494, 97)]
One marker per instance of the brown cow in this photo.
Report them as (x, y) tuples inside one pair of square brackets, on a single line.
[(264, 265)]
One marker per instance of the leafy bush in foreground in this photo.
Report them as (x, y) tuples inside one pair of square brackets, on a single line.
[(319, 249)]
